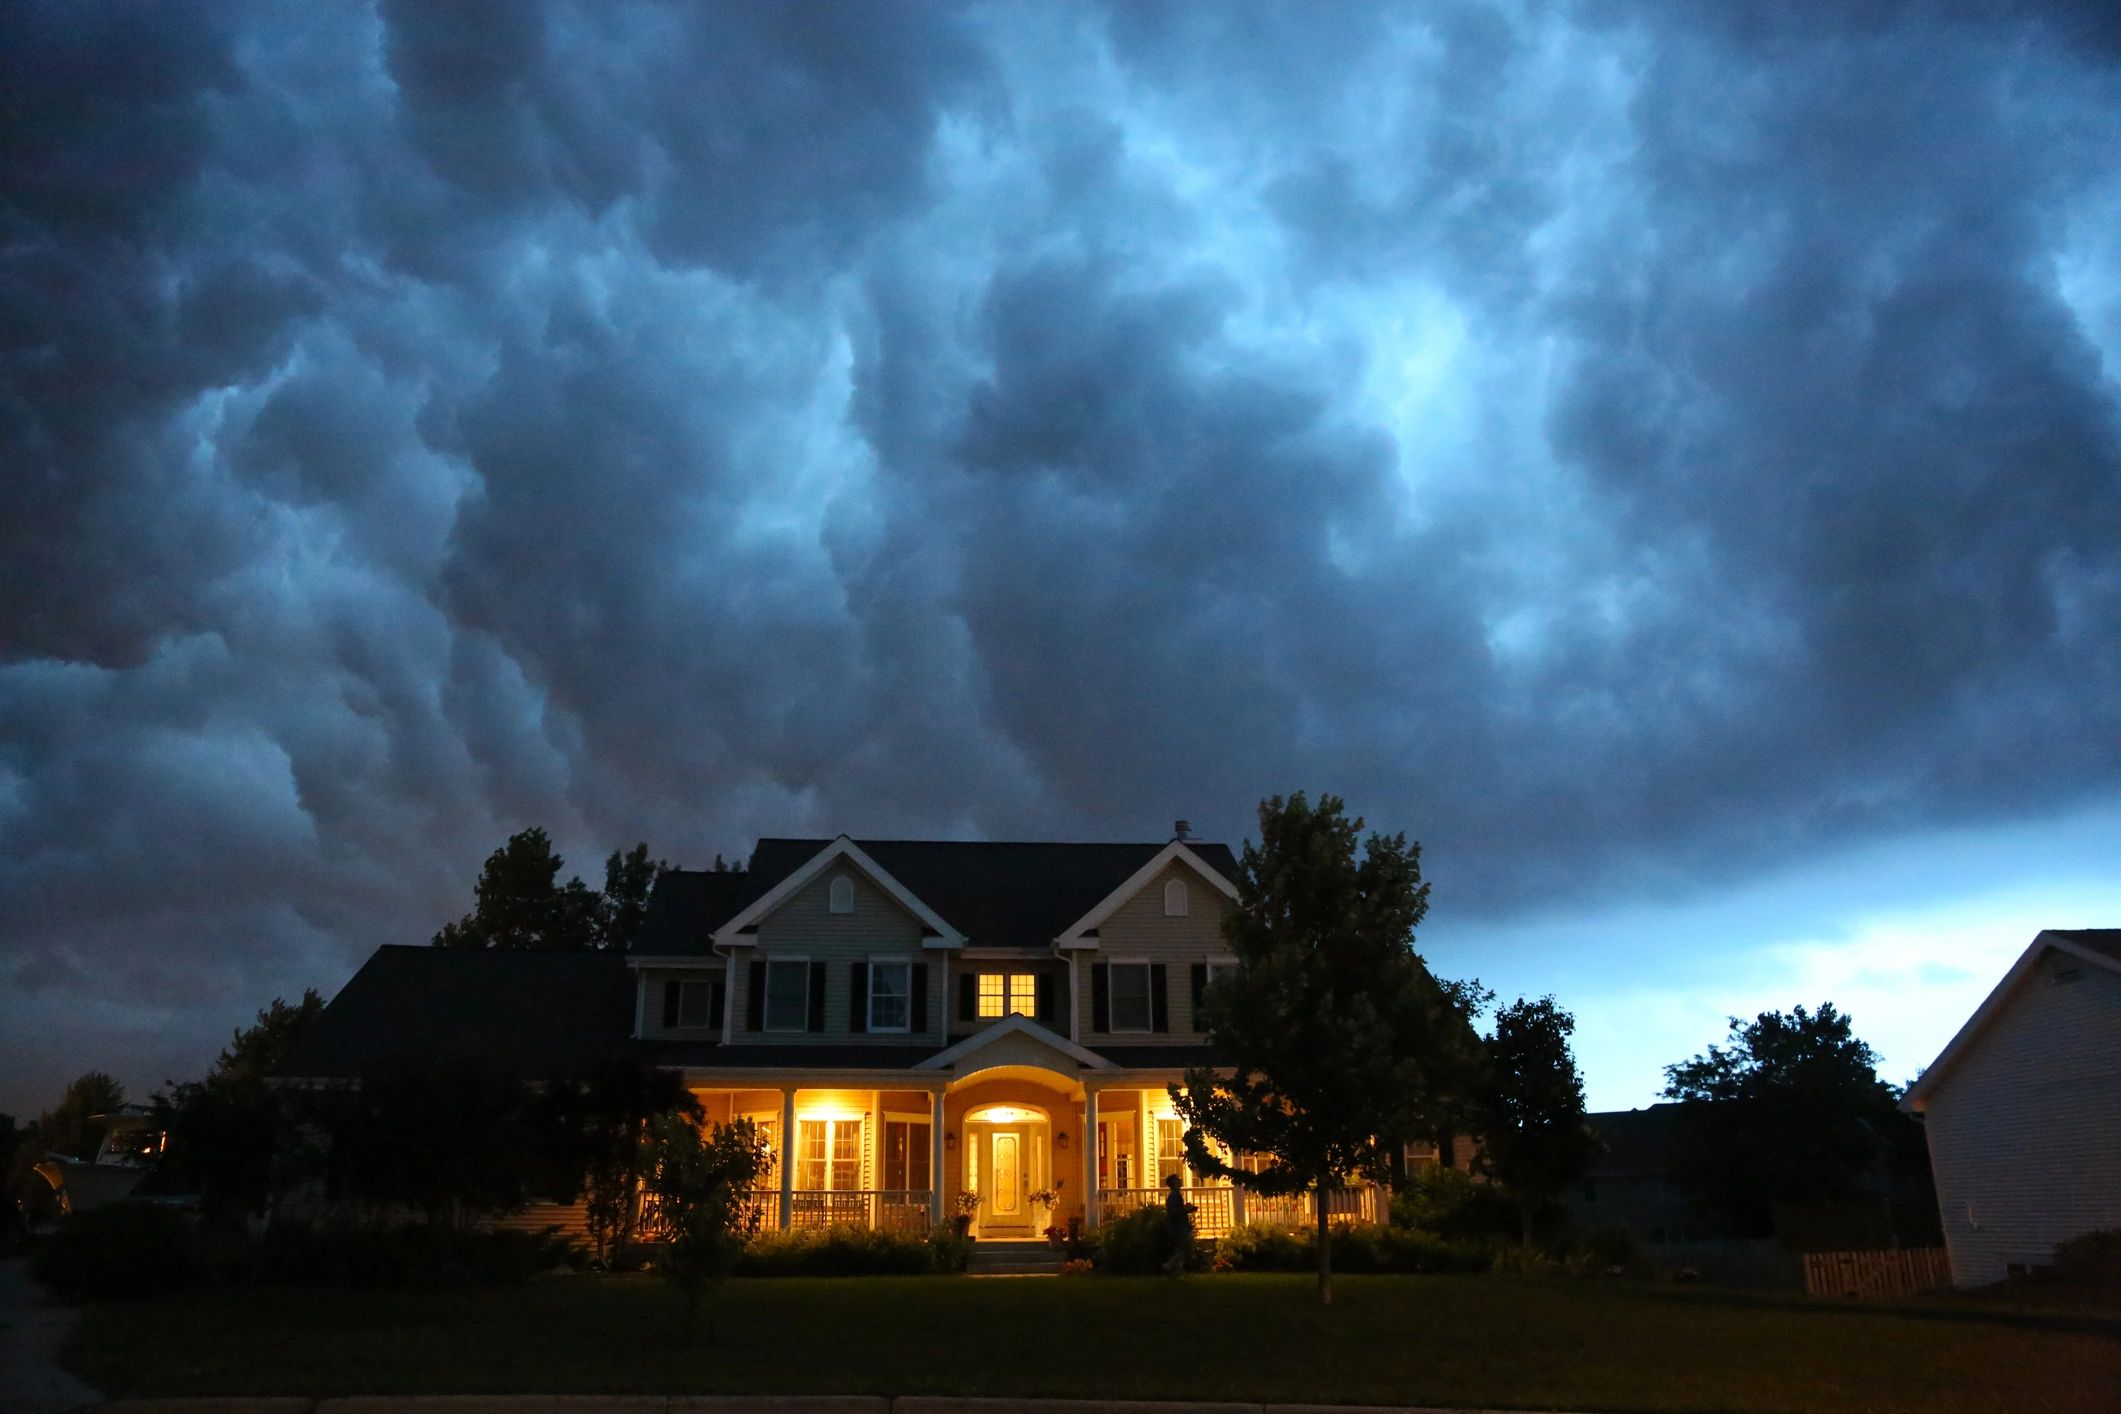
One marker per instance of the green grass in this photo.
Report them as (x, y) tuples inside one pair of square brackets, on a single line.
[(1465, 1341)]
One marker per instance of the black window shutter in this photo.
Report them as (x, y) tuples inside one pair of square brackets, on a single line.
[(717, 1000), (1048, 1005), (967, 997), (817, 996), (1200, 989), (917, 1019), (1100, 996), (858, 997), (755, 998), (1159, 999), (670, 1003)]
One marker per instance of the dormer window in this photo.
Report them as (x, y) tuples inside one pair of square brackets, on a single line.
[(842, 900), (1176, 902)]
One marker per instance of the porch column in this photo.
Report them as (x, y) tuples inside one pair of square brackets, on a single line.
[(788, 1150), (1090, 1137), (935, 1158)]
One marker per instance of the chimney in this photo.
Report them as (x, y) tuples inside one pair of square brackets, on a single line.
[(1181, 829)]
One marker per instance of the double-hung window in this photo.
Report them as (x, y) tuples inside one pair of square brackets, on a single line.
[(1170, 1150), (890, 994), (829, 1155), (696, 1004), (1131, 1008), (787, 995), (907, 1154), (1001, 993)]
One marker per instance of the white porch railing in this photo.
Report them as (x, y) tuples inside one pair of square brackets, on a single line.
[(1218, 1209), (885, 1209)]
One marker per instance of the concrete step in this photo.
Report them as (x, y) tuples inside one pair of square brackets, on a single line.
[(1015, 1258)]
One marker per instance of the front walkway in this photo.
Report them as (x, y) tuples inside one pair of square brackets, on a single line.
[(31, 1327)]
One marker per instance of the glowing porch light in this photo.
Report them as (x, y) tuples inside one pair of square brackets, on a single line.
[(1004, 1114)]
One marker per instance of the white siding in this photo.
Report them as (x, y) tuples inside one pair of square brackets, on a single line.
[(1140, 929), (2025, 1131), (805, 926)]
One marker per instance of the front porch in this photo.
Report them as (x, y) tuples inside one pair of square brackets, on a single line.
[(1017, 1148)]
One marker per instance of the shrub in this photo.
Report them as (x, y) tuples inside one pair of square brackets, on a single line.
[(126, 1249), (1452, 1203), (1140, 1243), (853, 1252), (1608, 1247), (1077, 1267), (1357, 1247)]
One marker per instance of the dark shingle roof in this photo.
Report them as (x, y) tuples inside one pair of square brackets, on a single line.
[(2106, 941), (550, 1014), (688, 905), (1637, 1141), (795, 1055), (999, 894)]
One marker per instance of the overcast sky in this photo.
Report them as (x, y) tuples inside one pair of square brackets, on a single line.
[(1663, 457)]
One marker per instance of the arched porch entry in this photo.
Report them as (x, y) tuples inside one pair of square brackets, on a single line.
[(1013, 1136)]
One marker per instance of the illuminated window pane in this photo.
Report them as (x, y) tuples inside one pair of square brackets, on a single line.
[(1023, 993), (993, 998), (1170, 1150)]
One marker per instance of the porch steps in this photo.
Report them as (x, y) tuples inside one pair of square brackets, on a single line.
[(996, 1259)]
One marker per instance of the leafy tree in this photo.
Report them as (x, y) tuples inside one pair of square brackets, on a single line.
[(699, 1180), (600, 1131), (68, 1128), (1338, 1037), (449, 1136), (222, 1131), (1535, 1142), (521, 903), (1789, 1110), (629, 878)]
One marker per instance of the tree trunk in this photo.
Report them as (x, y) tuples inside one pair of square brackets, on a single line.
[(1325, 1246)]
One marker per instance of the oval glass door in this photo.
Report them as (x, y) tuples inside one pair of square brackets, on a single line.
[(1006, 1169)]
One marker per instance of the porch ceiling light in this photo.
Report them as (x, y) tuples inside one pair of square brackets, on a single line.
[(1004, 1114), (828, 1112)]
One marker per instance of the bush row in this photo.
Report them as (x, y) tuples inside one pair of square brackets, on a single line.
[(854, 1252), (1140, 1243), (143, 1249)]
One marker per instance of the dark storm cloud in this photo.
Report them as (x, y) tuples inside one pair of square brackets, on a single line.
[(1616, 445)]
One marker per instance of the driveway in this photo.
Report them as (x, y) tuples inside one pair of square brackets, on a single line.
[(31, 1328)]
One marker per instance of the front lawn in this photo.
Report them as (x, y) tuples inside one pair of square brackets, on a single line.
[(1464, 1341)]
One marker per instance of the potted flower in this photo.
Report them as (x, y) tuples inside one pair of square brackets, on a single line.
[(1047, 1198), (967, 1203)]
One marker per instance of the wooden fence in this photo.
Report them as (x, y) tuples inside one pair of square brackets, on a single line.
[(1906, 1271)]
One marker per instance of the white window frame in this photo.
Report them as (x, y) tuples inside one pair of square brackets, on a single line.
[(919, 1150), (839, 894), (705, 986), (905, 967), (1148, 1026), (830, 1128), (1015, 1000), (766, 1004), (1178, 899), (1221, 967)]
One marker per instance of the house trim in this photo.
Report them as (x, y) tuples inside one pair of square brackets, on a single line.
[(1079, 933), (1016, 1024), (1918, 1094), (732, 934)]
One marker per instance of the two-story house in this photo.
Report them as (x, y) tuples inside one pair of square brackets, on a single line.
[(905, 1020)]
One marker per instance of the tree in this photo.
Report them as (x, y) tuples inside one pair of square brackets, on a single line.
[(600, 1130), (629, 878), (222, 1131), (1790, 1110), (450, 1136), (69, 1128), (700, 1181), (1535, 1142), (521, 903), (1339, 1040)]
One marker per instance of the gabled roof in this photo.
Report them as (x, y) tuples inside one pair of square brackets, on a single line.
[(2101, 947), (1015, 1025), (1087, 925), (549, 1014), (842, 848), (1002, 894), (687, 906)]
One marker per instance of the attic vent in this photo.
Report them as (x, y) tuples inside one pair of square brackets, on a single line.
[(842, 895), (1176, 904), (1182, 829)]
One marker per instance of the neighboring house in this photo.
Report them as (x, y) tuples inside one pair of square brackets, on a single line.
[(1630, 1185), (2023, 1109), (124, 1156), (904, 1020)]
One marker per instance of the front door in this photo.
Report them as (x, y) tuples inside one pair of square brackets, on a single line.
[(1007, 1208)]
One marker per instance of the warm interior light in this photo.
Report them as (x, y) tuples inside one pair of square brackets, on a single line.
[(1004, 1114), (829, 1112)]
